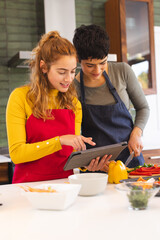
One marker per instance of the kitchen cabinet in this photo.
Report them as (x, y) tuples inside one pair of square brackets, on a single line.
[(6, 170), (129, 24), (151, 156)]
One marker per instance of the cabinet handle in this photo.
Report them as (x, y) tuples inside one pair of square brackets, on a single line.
[(154, 157)]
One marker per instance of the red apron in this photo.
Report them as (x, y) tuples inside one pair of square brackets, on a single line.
[(51, 166)]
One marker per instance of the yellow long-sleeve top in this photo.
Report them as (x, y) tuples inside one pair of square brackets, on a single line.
[(17, 113)]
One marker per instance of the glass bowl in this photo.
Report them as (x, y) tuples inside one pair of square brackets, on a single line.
[(138, 193)]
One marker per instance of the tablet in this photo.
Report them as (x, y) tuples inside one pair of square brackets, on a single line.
[(83, 158)]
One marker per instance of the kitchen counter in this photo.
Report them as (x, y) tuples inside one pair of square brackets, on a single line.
[(105, 216)]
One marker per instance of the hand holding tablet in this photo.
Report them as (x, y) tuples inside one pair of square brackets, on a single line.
[(83, 158)]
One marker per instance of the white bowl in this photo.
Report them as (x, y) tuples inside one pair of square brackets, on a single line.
[(64, 196), (91, 183)]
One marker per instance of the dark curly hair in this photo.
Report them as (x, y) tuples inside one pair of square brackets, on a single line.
[(91, 41)]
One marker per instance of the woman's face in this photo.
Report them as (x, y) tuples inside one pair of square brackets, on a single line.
[(94, 68), (61, 72)]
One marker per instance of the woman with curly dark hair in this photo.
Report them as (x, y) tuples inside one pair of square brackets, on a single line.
[(105, 90)]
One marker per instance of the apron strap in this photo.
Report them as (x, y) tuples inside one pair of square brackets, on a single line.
[(111, 88), (82, 87)]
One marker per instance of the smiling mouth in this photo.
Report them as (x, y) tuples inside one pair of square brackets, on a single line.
[(96, 75), (65, 85)]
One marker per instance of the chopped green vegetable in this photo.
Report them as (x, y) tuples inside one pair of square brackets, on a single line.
[(150, 165), (139, 199), (144, 165)]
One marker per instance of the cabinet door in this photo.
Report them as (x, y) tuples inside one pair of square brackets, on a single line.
[(129, 24)]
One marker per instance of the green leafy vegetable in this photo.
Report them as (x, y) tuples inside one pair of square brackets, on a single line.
[(144, 165), (139, 199)]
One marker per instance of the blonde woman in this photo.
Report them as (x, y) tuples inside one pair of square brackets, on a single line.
[(44, 117)]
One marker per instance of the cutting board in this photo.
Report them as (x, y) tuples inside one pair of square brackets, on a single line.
[(137, 176)]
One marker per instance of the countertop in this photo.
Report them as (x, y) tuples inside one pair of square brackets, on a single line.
[(105, 216)]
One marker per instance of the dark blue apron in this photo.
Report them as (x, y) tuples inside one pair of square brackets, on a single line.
[(108, 124)]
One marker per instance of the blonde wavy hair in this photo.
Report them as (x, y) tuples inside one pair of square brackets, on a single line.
[(50, 48)]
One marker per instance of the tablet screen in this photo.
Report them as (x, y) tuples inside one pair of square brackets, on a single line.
[(83, 158)]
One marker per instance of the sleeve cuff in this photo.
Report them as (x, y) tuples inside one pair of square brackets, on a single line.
[(83, 169)]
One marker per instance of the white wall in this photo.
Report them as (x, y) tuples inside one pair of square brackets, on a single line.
[(151, 136), (60, 16)]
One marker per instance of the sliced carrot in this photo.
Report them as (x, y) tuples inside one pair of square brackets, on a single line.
[(141, 179), (30, 189)]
